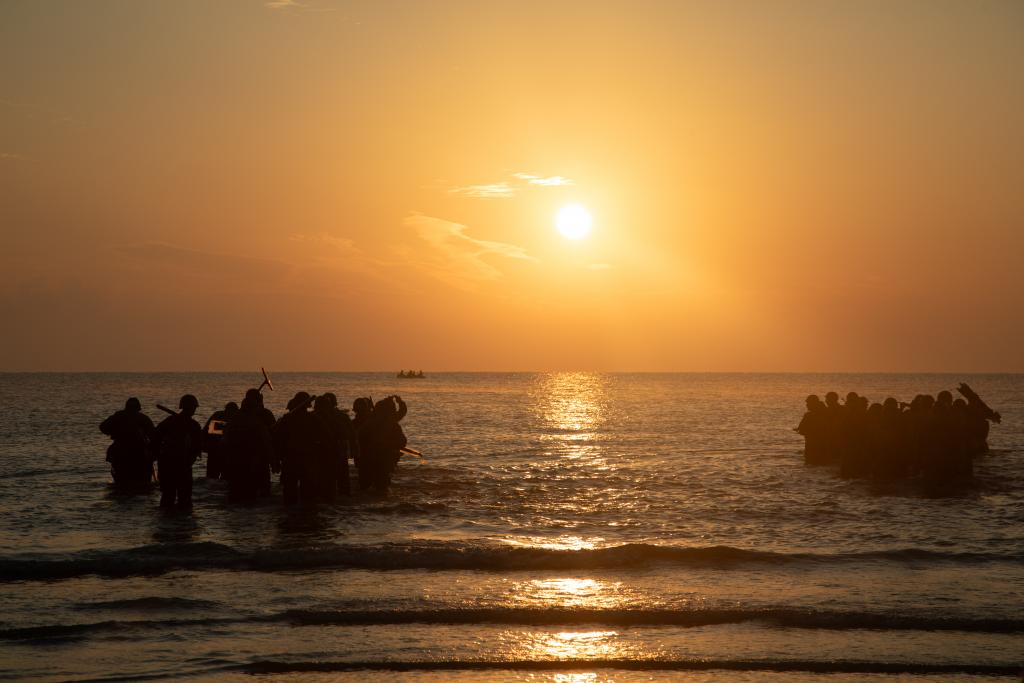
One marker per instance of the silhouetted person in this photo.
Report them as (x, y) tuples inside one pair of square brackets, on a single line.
[(302, 442), (939, 462), (979, 415), (131, 462), (178, 442), (213, 441), (853, 435), (269, 421), (833, 444), (362, 411), (892, 461), (248, 451), (339, 425), (386, 439), (814, 428)]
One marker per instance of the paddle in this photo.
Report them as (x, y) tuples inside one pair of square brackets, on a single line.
[(266, 381), (412, 451)]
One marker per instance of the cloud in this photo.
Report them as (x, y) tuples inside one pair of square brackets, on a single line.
[(341, 253), (10, 156), (282, 4), (506, 189), (549, 181), (494, 191), (455, 257)]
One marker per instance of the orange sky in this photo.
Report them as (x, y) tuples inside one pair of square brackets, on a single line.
[(780, 186)]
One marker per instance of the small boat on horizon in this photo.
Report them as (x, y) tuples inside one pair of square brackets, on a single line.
[(402, 374)]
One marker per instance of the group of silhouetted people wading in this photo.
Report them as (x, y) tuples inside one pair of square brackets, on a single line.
[(309, 446), (936, 438)]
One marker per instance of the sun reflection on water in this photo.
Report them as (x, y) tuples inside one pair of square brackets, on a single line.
[(570, 592), (572, 402)]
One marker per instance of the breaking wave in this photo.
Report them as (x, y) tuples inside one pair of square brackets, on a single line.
[(162, 558), (538, 617)]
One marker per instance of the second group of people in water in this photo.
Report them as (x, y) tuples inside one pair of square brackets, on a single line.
[(310, 446), (934, 437)]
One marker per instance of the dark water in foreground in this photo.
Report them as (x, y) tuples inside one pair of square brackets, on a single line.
[(565, 527)]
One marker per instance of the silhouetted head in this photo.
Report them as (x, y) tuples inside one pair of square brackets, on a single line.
[(254, 394), (299, 399), (230, 408), (132, 405), (852, 397), (188, 404), (362, 406), (944, 399), (831, 398), (325, 402), (385, 406), (960, 404), (813, 402), (891, 403), (249, 404)]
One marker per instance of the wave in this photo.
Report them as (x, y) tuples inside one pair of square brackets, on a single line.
[(811, 666), (531, 616), (207, 555), (154, 602), (540, 617)]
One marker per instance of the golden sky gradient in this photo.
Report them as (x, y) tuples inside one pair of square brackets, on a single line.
[(327, 185)]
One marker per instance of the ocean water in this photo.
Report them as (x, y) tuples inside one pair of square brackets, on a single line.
[(562, 527)]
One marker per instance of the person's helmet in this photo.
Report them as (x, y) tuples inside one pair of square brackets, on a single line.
[(831, 397), (188, 400), (132, 405)]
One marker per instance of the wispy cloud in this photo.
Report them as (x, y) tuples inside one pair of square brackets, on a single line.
[(10, 156), (492, 191), (548, 181), (455, 257), (295, 5), (506, 189)]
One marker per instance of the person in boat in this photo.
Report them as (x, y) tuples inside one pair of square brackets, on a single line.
[(301, 441), (213, 441), (813, 427), (386, 439), (131, 462), (248, 452), (362, 411), (178, 442)]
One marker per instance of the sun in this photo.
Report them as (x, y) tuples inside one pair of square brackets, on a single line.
[(573, 221)]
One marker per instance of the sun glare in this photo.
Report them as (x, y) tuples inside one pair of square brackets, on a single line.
[(573, 221)]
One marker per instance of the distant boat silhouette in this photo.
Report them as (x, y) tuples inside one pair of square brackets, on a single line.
[(402, 374)]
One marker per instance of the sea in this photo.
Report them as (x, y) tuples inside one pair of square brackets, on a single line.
[(571, 527)]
